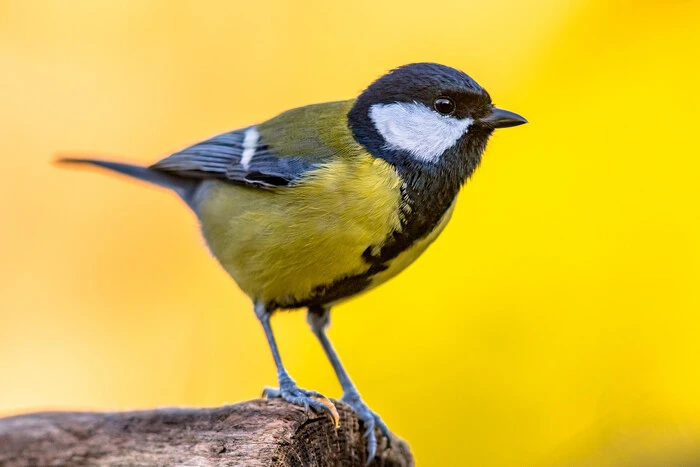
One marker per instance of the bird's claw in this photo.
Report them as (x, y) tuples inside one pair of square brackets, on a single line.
[(303, 398), (369, 420)]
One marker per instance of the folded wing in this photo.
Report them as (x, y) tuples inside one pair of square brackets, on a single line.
[(239, 156)]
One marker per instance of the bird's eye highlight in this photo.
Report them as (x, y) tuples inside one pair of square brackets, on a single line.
[(444, 105)]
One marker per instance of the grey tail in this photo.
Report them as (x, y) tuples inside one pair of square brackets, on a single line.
[(184, 187)]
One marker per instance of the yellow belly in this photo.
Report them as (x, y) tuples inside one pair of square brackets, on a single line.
[(279, 245)]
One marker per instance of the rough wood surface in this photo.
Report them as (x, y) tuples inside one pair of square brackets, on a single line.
[(255, 433)]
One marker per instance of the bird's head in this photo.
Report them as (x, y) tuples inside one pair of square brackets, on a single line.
[(426, 116)]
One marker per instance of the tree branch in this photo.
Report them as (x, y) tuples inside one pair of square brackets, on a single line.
[(254, 433)]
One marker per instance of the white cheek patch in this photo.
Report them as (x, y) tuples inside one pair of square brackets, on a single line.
[(416, 129)]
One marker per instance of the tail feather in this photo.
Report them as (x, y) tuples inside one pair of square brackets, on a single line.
[(184, 187)]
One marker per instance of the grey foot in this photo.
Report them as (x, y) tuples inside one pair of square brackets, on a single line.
[(369, 419), (293, 394)]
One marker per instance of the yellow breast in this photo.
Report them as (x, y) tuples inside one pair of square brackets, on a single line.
[(280, 245)]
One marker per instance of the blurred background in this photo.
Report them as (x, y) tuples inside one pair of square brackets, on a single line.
[(555, 322)]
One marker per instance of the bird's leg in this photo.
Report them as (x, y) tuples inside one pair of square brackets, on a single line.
[(318, 319), (288, 389)]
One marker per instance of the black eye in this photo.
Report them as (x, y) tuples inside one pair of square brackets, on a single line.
[(444, 105)]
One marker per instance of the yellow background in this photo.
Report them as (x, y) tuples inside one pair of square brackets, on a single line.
[(555, 322)]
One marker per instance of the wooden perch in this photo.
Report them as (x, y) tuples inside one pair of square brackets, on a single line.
[(255, 433)]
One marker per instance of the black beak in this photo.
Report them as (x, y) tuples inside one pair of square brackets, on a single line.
[(499, 118)]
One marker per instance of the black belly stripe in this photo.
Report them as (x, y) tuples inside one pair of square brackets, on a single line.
[(414, 227)]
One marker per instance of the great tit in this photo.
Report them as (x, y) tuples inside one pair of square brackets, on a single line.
[(326, 201)]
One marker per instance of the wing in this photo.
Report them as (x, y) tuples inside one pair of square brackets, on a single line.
[(238, 156), (273, 154)]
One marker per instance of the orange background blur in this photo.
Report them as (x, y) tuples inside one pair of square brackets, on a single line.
[(555, 322)]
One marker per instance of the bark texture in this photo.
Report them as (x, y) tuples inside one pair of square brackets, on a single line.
[(254, 433)]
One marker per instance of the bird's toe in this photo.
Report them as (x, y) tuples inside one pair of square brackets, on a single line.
[(370, 420), (303, 398)]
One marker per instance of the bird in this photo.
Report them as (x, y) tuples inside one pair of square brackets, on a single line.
[(323, 202)]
